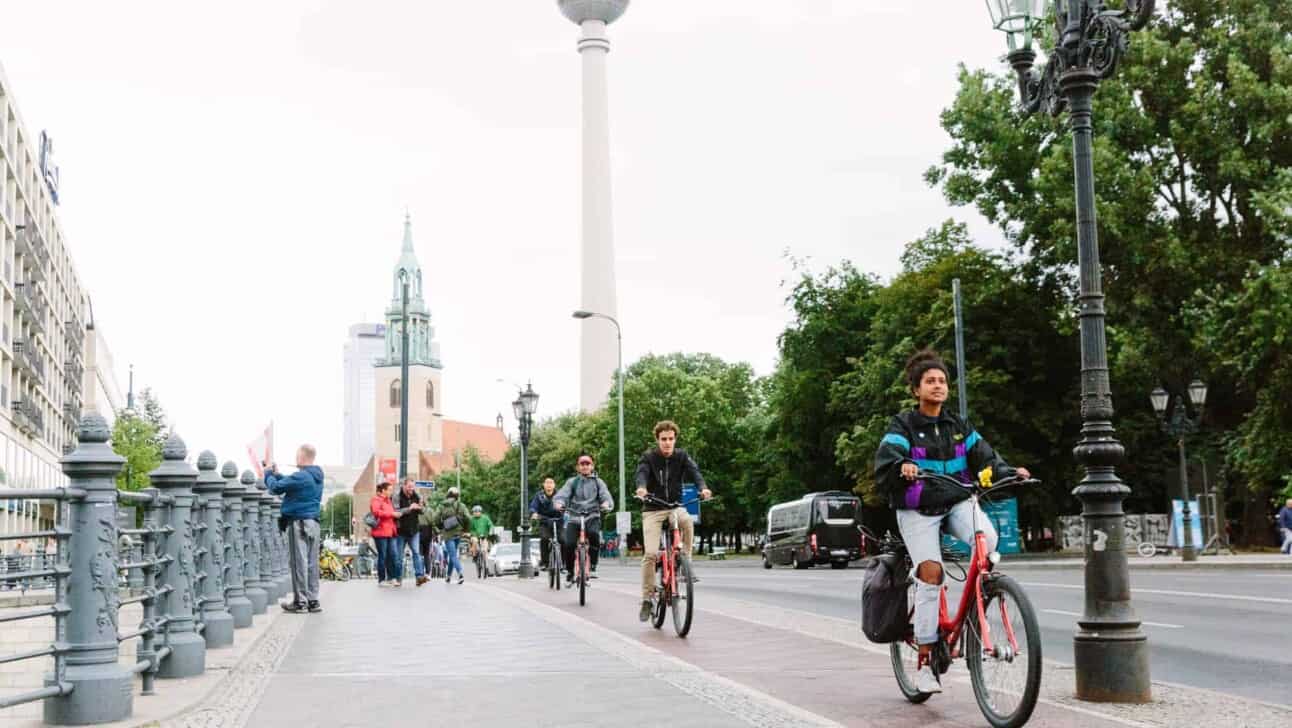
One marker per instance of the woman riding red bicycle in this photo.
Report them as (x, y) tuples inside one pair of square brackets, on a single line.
[(930, 439)]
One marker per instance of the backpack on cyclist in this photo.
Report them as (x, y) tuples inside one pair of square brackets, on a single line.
[(885, 614)]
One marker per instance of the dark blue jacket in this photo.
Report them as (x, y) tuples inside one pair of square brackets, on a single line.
[(1285, 517), (302, 492)]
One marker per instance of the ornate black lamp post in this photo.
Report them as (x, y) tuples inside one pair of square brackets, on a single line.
[(1179, 426), (1110, 650), (524, 407)]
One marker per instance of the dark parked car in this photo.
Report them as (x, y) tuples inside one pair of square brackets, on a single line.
[(819, 528)]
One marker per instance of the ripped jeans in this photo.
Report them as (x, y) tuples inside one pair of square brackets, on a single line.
[(923, 538)]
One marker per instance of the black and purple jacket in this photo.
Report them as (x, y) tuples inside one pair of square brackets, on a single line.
[(942, 444)]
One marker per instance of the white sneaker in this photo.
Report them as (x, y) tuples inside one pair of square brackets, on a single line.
[(926, 681)]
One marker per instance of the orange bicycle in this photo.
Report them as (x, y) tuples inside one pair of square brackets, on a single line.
[(674, 587), (995, 628)]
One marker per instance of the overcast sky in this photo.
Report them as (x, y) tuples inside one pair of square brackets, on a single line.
[(235, 174)]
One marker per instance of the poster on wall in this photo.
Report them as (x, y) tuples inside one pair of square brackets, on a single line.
[(389, 468)]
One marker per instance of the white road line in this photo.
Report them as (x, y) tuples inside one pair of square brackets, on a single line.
[(1148, 624), (1172, 593)]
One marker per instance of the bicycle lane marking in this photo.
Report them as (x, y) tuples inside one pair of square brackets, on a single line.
[(1171, 593), (1148, 624), (848, 633), (752, 706)]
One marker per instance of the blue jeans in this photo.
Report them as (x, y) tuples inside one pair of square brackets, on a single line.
[(390, 565), (413, 542), (451, 553)]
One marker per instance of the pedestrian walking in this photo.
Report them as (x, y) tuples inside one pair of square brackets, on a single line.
[(385, 534), (302, 493), (409, 505), (1285, 526), (452, 520)]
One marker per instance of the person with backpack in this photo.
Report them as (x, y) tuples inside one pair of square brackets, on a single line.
[(930, 438), (385, 534), (452, 520)]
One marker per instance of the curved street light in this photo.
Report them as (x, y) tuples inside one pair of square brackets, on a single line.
[(623, 506)]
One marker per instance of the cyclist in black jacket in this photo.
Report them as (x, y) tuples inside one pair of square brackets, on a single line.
[(929, 438), (661, 471)]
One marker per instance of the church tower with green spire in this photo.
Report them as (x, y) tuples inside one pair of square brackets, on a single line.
[(425, 420)]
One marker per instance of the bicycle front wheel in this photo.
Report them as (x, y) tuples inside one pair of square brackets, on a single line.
[(682, 601), (582, 569), (662, 595), (1007, 679)]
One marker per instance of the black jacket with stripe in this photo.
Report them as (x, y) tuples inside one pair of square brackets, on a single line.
[(943, 444)]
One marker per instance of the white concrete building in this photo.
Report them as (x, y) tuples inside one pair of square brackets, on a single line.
[(102, 390), (363, 349), (42, 320)]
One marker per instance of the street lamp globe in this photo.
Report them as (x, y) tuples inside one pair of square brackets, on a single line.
[(1018, 19), (1159, 397), (518, 409), (607, 11), (1198, 392), (529, 400)]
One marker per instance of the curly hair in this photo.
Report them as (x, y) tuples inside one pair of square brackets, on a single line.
[(665, 426), (921, 362)]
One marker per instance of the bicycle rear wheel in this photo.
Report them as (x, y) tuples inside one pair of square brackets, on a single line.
[(682, 601), (1006, 681), (582, 569)]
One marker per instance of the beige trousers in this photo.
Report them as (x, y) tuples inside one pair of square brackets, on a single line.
[(652, 523)]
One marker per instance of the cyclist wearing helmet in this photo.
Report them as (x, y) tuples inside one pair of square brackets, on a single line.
[(481, 529), (930, 438), (584, 492)]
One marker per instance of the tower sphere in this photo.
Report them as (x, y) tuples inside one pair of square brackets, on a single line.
[(607, 11)]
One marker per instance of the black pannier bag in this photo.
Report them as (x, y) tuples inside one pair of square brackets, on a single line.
[(885, 614)]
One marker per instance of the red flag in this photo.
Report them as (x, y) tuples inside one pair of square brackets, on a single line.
[(261, 450)]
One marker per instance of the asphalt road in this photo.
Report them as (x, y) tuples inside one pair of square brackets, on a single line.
[(1229, 631)]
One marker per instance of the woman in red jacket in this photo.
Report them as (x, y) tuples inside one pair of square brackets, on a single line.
[(384, 535)]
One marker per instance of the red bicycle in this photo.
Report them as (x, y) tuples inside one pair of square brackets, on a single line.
[(995, 628), (582, 573), (673, 585)]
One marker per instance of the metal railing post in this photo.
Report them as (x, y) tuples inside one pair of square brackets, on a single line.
[(268, 527), (217, 623), (281, 575), (101, 687), (179, 605), (251, 538), (235, 563)]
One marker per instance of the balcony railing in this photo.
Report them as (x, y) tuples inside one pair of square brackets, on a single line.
[(29, 303), (31, 244), (74, 332), (74, 373), (29, 360), (28, 417), (72, 411)]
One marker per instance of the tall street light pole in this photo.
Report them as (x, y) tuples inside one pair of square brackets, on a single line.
[(403, 375), (1179, 426), (524, 407), (623, 507), (1110, 651)]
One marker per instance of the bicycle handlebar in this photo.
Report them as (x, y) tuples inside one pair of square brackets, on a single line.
[(1007, 482), (661, 502)]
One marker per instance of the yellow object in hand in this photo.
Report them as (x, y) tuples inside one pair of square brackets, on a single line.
[(984, 478)]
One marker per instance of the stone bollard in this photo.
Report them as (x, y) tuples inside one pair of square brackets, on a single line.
[(282, 574), (235, 549), (251, 544), (268, 527), (101, 687), (175, 478), (216, 620)]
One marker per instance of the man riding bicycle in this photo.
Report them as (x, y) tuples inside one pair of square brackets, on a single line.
[(541, 507), (661, 471), (931, 439), (481, 530), (583, 493)]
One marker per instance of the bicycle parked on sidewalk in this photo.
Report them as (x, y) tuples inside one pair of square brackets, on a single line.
[(674, 585), (582, 556), (995, 628), (332, 568)]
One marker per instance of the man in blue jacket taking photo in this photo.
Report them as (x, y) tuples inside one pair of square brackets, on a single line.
[(302, 493)]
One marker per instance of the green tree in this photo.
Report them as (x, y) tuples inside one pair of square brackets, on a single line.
[(135, 439), (1193, 145), (336, 514)]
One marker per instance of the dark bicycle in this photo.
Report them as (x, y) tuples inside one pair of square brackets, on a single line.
[(554, 553)]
